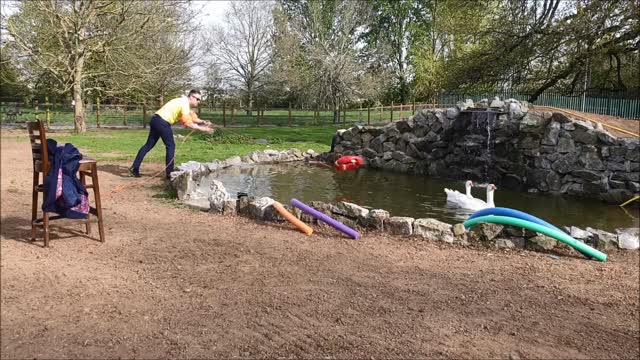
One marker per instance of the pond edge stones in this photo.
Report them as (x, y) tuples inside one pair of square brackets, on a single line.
[(216, 199)]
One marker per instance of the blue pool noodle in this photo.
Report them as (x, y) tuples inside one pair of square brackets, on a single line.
[(501, 211)]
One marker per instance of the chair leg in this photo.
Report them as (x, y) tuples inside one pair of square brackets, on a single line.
[(96, 195), (34, 205), (45, 223), (83, 180)]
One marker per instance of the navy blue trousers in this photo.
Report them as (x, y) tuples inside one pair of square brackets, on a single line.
[(158, 129)]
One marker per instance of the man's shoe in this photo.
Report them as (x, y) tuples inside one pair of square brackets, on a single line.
[(133, 173)]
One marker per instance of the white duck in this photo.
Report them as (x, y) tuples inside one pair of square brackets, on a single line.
[(454, 196), (477, 204)]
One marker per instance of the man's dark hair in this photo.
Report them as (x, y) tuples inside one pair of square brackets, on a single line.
[(194, 91)]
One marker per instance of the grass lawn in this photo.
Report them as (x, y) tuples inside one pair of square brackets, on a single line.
[(109, 144)]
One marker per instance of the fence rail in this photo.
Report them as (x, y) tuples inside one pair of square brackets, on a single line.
[(100, 115), (624, 107)]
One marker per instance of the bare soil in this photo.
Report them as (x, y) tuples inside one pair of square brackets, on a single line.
[(173, 282)]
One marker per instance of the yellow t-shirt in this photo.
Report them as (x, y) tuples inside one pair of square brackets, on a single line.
[(174, 110)]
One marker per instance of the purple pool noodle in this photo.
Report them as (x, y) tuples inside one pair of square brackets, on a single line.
[(327, 219)]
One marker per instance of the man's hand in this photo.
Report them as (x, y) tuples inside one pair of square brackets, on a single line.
[(207, 123), (206, 129)]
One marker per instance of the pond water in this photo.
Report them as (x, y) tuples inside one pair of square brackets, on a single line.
[(410, 195)]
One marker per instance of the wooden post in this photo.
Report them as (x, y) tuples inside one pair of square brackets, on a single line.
[(233, 110), (124, 114), (360, 113), (413, 107), (47, 111), (391, 112), (289, 114), (224, 114), (36, 110), (144, 114), (368, 115), (98, 111), (344, 115)]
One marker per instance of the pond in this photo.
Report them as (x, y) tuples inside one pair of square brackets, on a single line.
[(410, 195)]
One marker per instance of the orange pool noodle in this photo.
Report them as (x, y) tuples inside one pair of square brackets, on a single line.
[(292, 219)]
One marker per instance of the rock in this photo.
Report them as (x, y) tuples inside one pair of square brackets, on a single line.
[(565, 145), (496, 103), (535, 121), (403, 126), (541, 243), (464, 105), (584, 136), (256, 208), (551, 134), (189, 166), (433, 229), (230, 207), (376, 219), (197, 204), (459, 230), (482, 104), (602, 239), (515, 111), (350, 210), (369, 153), (510, 243), (453, 112), (233, 161), (243, 205), (566, 163), (580, 234), (628, 238), (217, 196), (399, 225), (590, 158), (487, 231), (513, 231)]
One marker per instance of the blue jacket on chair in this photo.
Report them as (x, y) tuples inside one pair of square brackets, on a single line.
[(66, 158)]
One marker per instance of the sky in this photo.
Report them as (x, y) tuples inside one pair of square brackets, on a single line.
[(212, 11)]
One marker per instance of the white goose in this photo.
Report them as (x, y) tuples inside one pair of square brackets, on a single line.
[(454, 196), (477, 204)]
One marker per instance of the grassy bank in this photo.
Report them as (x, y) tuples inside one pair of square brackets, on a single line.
[(124, 144)]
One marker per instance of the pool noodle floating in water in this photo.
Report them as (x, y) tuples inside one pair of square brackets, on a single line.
[(327, 219)]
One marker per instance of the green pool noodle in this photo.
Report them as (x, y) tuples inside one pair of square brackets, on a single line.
[(580, 246)]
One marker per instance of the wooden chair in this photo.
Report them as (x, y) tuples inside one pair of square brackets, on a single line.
[(88, 168)]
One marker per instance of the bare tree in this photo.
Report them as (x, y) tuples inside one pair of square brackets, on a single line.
[(241, 48), (318, 51), (65, 38)]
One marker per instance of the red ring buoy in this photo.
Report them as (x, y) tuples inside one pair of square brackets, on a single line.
[(348, 162)]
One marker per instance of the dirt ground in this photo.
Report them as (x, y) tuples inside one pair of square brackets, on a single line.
[(173, 282)]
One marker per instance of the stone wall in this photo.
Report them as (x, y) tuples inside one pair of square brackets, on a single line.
[(196, 188), (511, 146)]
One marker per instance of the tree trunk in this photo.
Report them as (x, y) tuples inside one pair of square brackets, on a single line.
[(250, 103), (79, 123)]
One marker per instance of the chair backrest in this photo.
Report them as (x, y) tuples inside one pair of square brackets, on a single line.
[(38, 138)]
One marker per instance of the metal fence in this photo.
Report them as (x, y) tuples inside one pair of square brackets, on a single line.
[(135, 115), (110, 115), (626, 106)]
